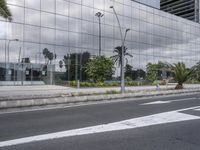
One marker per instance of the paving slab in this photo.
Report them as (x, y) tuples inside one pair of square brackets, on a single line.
[(17, 92)]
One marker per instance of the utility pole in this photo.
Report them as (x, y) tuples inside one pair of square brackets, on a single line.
[(81, 58), (76, 74), (19, 58), (68, 68)]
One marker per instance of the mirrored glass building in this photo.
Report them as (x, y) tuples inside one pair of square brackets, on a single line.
[(152, 3), (70, 26), (188, 9)]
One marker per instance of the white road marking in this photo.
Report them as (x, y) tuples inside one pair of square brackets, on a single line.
[(84, 104), (157, 102), (169, 101), (156, 119)]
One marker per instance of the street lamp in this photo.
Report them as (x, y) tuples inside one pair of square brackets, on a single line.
[(99, 15), (126, 34), (9, 48), (123, 48)]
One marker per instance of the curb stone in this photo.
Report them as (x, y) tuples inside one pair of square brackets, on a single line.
[(20, 103)]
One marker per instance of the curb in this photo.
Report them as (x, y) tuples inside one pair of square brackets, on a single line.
[(32, 102)]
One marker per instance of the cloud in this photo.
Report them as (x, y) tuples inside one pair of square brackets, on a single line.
[(151, 35)]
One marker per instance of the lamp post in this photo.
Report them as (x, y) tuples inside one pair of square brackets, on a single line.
[(126, 35), (9, 48), (123, 48), (99, 15)]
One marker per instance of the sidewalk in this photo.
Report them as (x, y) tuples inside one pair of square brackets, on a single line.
[(29, 96), (17, 92)]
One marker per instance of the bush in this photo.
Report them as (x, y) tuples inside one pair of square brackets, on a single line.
[(130, 83), (100, 68), (156, 82), (128, 79), (112, 92), (72, 83), (163, 82), (99, 84), (111, 84)]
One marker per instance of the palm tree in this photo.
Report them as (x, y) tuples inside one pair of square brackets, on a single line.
[(45, 53), (118, 57), (182, 74), (49, 56), (196, 73), (4, 11)]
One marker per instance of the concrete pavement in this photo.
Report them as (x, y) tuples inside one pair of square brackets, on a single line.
[(182, 135), (52, 90), (34, 96)]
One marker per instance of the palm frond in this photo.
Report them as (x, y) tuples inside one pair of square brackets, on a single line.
[(4, 10), (182, 74), (118, 57)]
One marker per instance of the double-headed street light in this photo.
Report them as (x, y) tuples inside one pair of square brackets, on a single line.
[(122, 53), (99, 15), (126, 35)]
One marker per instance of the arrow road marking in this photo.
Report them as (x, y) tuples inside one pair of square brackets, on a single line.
[(156, 119)]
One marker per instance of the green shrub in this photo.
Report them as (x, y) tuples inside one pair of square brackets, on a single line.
[(163, 82), (129, 83), (110, 84), (72, 83), (155, 83), (112, 92), (100, 84), (128, 79)]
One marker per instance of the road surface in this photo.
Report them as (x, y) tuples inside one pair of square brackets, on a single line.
[(159, 123)]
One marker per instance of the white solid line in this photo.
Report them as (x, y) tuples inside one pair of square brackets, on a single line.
[(157, 119)]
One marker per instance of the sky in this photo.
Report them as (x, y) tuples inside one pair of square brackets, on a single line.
[(141, 42)]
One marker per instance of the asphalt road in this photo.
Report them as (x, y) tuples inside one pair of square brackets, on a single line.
[(162, 123)]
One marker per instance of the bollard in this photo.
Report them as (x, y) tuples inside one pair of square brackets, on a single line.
[(78, 84)]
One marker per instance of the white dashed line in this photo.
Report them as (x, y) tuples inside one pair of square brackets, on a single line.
[(169, 101)]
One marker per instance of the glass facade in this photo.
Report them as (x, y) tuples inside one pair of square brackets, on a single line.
[(188, 9), (70, 26), (152, 3)]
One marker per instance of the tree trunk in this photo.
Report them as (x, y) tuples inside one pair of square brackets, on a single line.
[(179, 86)]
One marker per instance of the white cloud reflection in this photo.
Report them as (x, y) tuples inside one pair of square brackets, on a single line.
[(152, 37)]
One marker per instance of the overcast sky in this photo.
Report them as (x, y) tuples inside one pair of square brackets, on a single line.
[(162, 46)]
